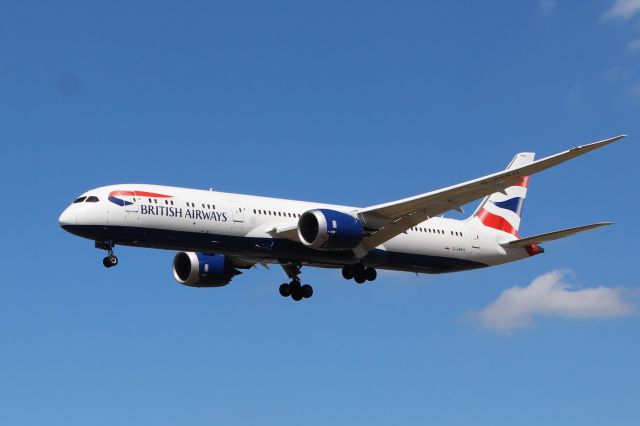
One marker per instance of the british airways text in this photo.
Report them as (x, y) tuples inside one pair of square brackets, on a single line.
[(188, 213)]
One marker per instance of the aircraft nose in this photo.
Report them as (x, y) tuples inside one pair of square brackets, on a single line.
[(67, 218)]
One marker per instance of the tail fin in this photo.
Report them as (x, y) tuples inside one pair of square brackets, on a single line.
[(502, 210)]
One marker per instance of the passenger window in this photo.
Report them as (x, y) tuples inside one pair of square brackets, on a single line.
[(79, 200), (92, 199)]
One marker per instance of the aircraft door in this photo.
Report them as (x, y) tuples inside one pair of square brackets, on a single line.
[(237, 212), (475, 241), (132, 210)]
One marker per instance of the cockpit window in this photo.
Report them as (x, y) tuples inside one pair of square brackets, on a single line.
[(92, 199), (79, 200)]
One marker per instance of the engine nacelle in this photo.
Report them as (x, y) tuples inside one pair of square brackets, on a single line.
[(325, 229), (203, 270)]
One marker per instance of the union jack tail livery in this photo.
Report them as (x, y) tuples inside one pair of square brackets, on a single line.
[(503, 210)]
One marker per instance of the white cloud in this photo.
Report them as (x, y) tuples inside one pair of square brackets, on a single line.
[(550, 295), (616, 74), (634, 89), (546, 7), (634, 45), (623, 9)]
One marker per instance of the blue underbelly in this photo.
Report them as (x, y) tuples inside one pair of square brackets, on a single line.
[(267, 249)]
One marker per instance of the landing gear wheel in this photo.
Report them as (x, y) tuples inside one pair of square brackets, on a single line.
[(307, 291), (347, 272), (110, 261), (359, 274), (370, 274), (295, 289), (285, 290), (296, 292)]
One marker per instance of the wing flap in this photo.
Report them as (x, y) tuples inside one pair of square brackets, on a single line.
[(555, 235)]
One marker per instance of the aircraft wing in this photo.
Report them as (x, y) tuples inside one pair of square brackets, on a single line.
[(391, 219), (555, 235)]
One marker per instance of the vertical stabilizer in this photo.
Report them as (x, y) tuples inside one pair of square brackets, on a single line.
[(503, 210)]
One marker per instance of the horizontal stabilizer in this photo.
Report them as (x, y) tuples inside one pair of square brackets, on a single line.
[(555, 235)]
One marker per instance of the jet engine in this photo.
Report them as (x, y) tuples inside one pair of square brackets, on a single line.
[(203, 270), (325, 229)]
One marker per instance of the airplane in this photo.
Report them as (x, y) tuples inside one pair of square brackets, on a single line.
[(218, 234)]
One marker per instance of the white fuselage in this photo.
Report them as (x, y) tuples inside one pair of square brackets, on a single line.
[(242, 226)]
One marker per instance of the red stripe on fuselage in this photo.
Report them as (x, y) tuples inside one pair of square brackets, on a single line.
[(140, 194)]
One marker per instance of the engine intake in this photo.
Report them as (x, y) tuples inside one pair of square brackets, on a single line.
[(325, 229), (203, 270)]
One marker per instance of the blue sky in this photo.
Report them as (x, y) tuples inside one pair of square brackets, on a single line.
[(345, 102)]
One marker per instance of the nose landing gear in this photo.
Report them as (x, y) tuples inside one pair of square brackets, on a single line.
[(111, 259)]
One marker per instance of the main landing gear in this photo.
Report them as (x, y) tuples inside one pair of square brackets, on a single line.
[(295, 288), (111, 259), (359, 273)]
